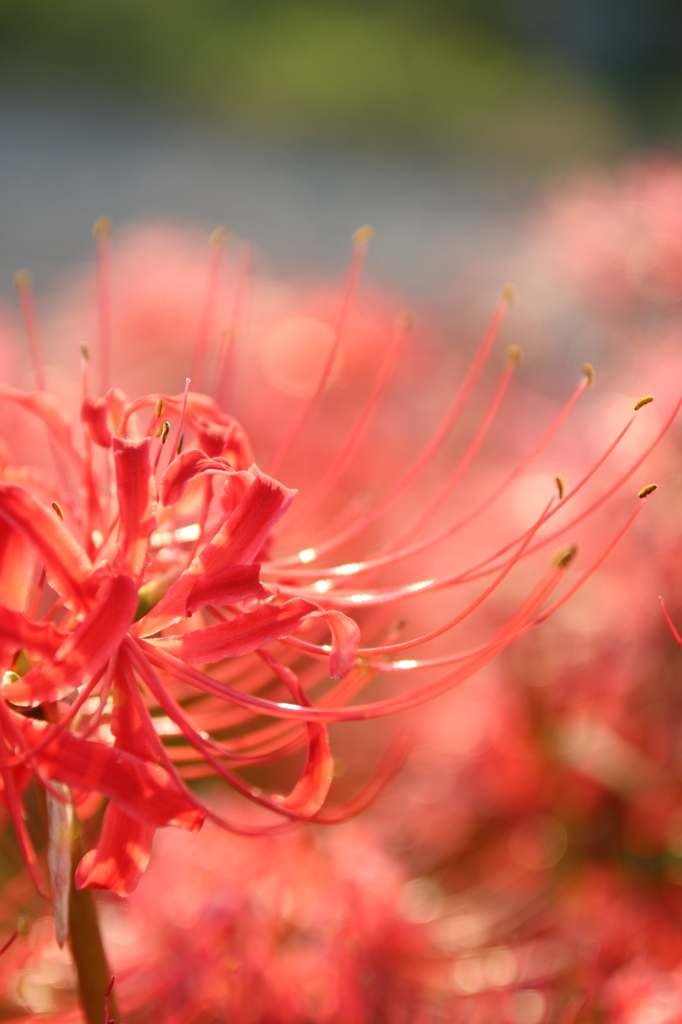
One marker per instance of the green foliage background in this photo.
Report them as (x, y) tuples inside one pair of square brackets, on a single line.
[(458, 76)]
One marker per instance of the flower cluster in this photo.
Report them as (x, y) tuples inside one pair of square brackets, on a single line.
[(158, 627)]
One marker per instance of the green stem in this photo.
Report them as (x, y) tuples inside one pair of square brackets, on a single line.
[(87, 950)]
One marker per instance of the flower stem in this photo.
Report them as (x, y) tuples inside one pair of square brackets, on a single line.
[(87, 950)]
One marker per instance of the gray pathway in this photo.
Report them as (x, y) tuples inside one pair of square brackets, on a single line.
[(64, 160)]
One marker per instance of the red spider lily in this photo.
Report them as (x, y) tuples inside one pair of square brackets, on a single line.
[(151, 632)]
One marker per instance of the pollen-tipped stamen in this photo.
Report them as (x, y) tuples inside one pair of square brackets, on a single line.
[(291, 433), (466, 459), (426, 455), (231, 332), (22, 284), (102, 234), (320, 490), (217, 244)]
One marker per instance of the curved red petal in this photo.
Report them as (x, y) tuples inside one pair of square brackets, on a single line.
[(186, 467), (237, 542), (18, 632), (69, 570), (120, 857), (241, 635), (345, 642), (16, 568), (45, 407), (310, 792), (85, 652), (136, 503), (142, 790), (237, 583), (94, 413)]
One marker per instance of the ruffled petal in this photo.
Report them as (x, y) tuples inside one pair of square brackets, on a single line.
[(250, 523), (212, 437), (69, 570), (18, 632), (141, 790), (241, 635), (45, 407), (94, 413), (345, 641), (237, 542), (310, 792), (85, 652), (17, 563), (237, 583), (120, 857), (136, 503), (186, 467)]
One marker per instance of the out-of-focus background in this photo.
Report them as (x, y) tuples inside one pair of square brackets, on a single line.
[(295, 122)]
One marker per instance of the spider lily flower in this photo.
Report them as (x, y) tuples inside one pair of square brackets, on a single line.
[(155, 629)]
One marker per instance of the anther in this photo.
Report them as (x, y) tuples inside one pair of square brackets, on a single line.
[(22, 280), (218, 237), (85, 352), (508, 292), (560, 485), (363, 235), (588, 370), (58, 510), (405, 320), (643, 401), (102, 226), (163, 431), (159, 407), (513, 356), (646, 491), (564, 558), (181, 442)]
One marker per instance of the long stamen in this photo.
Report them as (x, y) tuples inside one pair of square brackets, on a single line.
[(593, 567), (323, 488), (527, 616), (461, 467), (217, 243), (28, 753), (101, 233), (671, 624), (22, 284), (426, 455), (613, 489), (368, 564), (450, 624), (233, 329), (93, 502), (180, 436), (361, 240), (513, 628), (147, 674)]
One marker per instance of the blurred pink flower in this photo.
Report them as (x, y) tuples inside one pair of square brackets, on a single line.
[(619, 236)]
